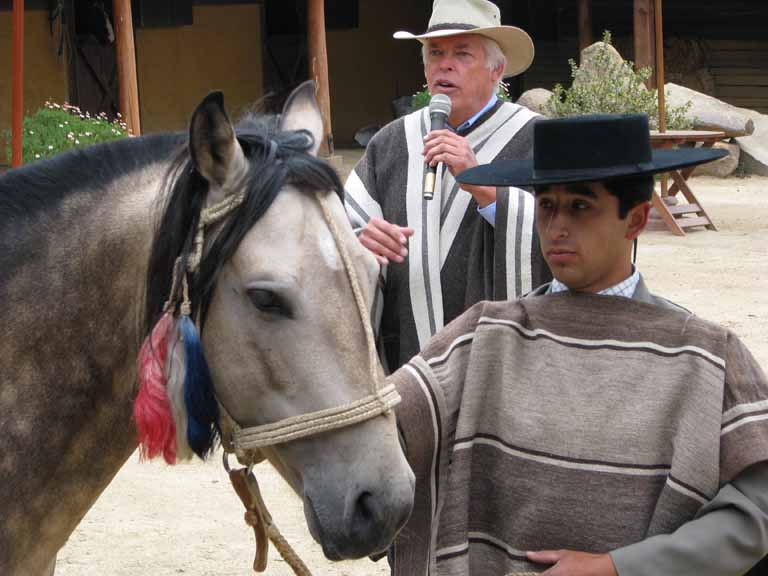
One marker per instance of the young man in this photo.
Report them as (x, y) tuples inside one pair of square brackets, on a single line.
[(468, 243), (590, 428)]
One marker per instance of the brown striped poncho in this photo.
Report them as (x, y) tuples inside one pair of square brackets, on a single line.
[(570, 421)]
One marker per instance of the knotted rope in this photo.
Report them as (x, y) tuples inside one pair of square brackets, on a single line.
[(246, 442), (258, 517)]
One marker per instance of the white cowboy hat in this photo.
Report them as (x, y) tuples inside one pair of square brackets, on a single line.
[(453, 17)]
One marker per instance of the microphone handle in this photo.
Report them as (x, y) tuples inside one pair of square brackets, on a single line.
[(437, 122)]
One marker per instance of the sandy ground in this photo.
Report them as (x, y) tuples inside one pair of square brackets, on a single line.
[(159, 520)]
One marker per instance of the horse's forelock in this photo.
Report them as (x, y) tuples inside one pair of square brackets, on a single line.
[(275, 159)]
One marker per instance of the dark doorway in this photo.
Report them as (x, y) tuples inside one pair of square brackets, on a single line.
[(92, 59), (285, 40)]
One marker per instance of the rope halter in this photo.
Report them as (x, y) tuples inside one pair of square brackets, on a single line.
[(246, 442)]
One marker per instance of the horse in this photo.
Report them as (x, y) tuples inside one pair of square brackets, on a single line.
[(98, 245)]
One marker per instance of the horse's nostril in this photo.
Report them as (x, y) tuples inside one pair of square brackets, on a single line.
[(365, 507)]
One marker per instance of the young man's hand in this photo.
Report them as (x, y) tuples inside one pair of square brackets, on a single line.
[(385, 240), (572, 563)]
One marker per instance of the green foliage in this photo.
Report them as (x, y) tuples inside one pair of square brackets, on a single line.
[(422, 98), (611, 87), (55, 128)]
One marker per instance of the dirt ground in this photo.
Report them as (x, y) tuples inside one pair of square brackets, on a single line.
[(159, 520)]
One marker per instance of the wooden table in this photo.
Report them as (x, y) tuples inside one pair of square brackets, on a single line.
[(677, 217)]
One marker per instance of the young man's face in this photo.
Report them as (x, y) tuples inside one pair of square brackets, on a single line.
[(456, 66), (587, 246)]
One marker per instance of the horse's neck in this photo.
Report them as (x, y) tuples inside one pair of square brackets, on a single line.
[(71, 323)]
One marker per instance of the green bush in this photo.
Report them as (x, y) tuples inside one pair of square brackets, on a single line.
[(616, 89), (56, 127), (422, 98)]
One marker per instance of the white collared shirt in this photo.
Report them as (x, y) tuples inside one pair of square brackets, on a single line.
[(625, 288), (488, 212)]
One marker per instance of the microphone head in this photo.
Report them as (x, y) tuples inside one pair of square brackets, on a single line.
[(440, 104)]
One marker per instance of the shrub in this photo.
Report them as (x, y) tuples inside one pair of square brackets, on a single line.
[(56, 127), (613, 88)]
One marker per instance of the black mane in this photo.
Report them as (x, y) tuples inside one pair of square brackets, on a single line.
[(43, 185), (31, 197), (275, 159)]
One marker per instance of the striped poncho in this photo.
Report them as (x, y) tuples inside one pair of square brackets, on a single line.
[(570, 421), (455, 257)]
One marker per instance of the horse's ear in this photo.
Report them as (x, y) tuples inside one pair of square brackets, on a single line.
[(301, 112), (212, 142)]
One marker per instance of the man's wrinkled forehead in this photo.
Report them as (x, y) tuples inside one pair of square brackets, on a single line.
[(459, 42)]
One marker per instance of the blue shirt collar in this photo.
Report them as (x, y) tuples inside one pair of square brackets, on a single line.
[(467, 123)]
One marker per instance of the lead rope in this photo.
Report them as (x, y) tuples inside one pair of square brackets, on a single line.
[(245, 443)]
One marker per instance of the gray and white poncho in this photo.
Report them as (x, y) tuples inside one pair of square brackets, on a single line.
[(456, 258)]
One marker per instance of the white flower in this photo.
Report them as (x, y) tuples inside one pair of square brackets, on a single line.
[(77, 141), (31, 132), (50, 147), (37, 155)]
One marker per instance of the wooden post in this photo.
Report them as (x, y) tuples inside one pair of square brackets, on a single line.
[(17, 96), (585, 24), (318, 68), (660, 82), (660, 66), (128, 99), (644, 43)]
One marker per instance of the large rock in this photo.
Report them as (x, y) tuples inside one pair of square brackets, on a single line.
[(595, 60), (700, 80), (536, 99), (723, 167), (754, 148), (709, 113)]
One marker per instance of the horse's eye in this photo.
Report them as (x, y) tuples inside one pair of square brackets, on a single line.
[(268, 301)]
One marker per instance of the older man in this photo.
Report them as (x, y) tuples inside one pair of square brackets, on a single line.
[(468, 243), (591, 428)]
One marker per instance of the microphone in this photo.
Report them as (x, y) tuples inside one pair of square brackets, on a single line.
[(439, 110)]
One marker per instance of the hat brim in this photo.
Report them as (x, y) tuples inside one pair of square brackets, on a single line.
[(515, 43), (522, 173)]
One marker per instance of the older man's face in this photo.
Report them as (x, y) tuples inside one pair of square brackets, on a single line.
[(456, 66)]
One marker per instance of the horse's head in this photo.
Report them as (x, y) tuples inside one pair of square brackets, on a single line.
[(272, 296)]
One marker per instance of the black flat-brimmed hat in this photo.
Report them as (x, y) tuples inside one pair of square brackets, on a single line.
[(585, 149)]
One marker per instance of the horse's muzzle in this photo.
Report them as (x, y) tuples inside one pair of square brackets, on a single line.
[(369, 523)]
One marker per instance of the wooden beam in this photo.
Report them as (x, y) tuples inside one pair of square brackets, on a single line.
[(660, 65), (644, 37), (128, 99), (17, 94), (318, 68), (585, 24)]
